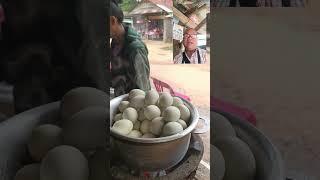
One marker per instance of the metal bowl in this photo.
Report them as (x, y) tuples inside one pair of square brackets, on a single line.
[(152, 154), (269, 163)]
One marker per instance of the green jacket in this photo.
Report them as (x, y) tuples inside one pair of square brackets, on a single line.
[(131, 69)]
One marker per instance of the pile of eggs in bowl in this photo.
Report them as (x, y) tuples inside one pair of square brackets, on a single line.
[(150, 115)]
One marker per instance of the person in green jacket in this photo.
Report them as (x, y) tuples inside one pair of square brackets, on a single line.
[(130, 67)]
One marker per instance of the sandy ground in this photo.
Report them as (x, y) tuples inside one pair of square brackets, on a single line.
[(191, 80), (268, 61)]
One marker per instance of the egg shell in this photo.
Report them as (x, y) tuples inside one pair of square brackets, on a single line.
[(185, 113), (28, 172), (117, 117), (123, 126), (239, 159), (130, 114), (145, 126), (171, 128), (136, 125), (183, 123), (136, 92), (152, 97), (171, 114), (165, 100), (141, 116), (157, 125), (123, 105), (44, 138), (148, 135), (86, 129), (135, 134), (64, 163), (137, 102), (80, 98), (177, 101), (151, 112)]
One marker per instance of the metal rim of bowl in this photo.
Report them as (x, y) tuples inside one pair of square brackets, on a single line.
[(189, 129)]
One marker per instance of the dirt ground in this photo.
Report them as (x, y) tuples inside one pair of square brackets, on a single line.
[(273, 72), (191, 80)]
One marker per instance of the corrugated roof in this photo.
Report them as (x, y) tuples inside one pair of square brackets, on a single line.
[(149, 8)]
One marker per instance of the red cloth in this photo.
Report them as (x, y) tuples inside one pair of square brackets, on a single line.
[(2, 17), (237, 111)]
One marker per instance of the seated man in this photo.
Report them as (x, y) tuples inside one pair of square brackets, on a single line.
[(192, 54)]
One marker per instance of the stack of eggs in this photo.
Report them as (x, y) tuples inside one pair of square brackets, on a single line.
[(232, 158), (76, 149), (151, 115)]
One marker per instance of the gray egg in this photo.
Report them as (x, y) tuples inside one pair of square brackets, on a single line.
[(165, 100), (64, 163), (86, 129), (183, 123), (117, 117), (28, 172), (145, 126), (221, 126), (44, 138), (148, 135), (239, 159), (123, 126), (177, 101), (131, 114), (80, 98), (171, 114), (152, 97), (219, 165), (135, 134), (171, 128), (141, 115), (185, 113), (123, 105), (136, 92), (151, 112), (156, 125), (137, 102), (136, 125), (98, 165)]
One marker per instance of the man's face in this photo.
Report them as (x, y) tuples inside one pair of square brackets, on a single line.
[(113, 26), (190, 40)]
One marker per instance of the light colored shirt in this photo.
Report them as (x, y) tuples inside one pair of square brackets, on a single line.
[(194, 57)]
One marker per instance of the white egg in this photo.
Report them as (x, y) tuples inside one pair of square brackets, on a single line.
[(157, 125), (131, 114), (171, 114), (185, 113), (183, 123), (28, 172), (135, 134), (44, 138), (141, 116), (148, 135), (64, 163), (177, 101), (117, 117), (151, 112), (123, 126), (165, 100), (171, 128), (136, 92), (123, 105), (137, 102), (152, 97), (145, 126), (136, 125)]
